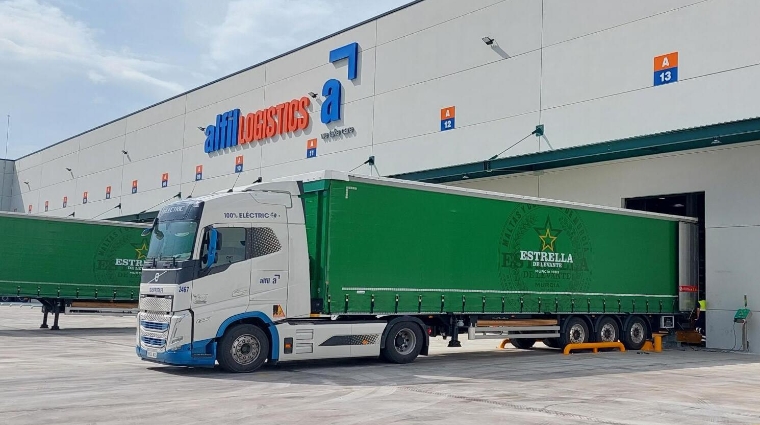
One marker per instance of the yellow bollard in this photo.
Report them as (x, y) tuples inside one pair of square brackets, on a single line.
[(504, 343), (654, 345), (657, 342), (594, 346)]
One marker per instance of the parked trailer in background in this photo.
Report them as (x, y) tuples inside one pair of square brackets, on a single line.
[(71, 266), (335, 265)]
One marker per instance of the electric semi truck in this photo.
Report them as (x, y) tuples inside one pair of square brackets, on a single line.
[(332, 265)]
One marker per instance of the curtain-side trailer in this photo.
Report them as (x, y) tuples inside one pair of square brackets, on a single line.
[(334, 265), (71, 265)]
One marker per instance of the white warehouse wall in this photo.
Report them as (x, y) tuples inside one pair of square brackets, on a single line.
[(583, 69), (729, 176)]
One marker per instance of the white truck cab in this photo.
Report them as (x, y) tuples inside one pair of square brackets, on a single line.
[(227, 280)]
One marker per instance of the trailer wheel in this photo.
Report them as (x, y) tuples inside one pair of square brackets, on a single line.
[(575, 331), (607, 330), (552, 342), (243, 349), (403, 343), (523, 343), (636, 332)]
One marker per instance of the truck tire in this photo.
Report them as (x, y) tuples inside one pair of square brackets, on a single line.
[(607, 330), (552, 342), (403, 343), (243, 349), (522, 343), (574, 331), (635, 333)]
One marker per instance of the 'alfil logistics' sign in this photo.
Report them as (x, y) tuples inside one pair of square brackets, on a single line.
[(232, 128)]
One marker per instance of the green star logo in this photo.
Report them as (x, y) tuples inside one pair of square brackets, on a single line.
[(548, 235), (141, 250)]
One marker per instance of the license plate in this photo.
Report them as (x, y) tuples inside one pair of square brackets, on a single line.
[(152, 354)]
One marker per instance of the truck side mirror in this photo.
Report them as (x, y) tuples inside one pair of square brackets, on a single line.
[(218, 240), (213, 240), (153, 228)]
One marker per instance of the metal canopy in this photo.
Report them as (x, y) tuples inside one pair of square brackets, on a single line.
[(652, 144)]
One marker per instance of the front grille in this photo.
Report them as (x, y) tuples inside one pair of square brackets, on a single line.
[(153, 342), (152, 317), (149, 303), (154, 326)]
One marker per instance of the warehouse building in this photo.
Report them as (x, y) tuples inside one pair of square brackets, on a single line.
[(649, 105)]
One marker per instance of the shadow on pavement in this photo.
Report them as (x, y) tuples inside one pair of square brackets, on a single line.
[(540, 364), (64, 332)]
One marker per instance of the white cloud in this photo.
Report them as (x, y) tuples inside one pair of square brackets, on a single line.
[(35, 32), (254, 30), (96, 77)]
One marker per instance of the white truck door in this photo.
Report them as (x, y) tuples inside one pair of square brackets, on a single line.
[(269, 271), (222, 290)]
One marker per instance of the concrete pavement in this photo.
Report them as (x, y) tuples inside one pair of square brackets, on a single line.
[(87, 373)]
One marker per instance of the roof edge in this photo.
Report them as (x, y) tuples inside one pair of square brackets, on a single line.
[(726, 133), (177, 96)]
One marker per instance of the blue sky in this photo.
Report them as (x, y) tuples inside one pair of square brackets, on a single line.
[(67, 66)]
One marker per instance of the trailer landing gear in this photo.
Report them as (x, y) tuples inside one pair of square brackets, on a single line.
[(56, 312), (44, 324), (54, 306), (455, 334), (454, 342)]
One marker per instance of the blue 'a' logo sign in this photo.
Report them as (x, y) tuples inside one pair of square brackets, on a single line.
[(333, 90)]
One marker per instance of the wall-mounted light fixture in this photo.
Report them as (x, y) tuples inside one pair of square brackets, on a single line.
[(124, 152), (203, 129), (488, 40), (68, 169), (313, 95)]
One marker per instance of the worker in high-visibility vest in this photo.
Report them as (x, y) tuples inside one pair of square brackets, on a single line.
[(700, 320)]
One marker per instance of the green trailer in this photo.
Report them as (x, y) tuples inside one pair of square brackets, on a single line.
[(385, 247), (334, 265), (71, 265)]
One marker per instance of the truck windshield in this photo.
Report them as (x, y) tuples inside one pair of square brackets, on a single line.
[(174, 239)]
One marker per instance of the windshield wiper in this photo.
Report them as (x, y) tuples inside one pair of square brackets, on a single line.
[(173, 258)]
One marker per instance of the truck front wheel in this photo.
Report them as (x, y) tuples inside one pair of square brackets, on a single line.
[(243, 349), (403, 343)]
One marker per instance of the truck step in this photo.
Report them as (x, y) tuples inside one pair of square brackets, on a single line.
[(101, 311), (501, 332)]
